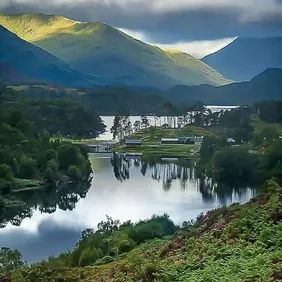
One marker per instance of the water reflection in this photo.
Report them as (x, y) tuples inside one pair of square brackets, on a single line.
[(22, 204), (182, 170), (124, 188)]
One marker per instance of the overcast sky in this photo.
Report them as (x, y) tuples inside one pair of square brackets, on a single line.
[(195, 26)]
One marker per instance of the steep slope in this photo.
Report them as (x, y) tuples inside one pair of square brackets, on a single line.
[(247, 57), (36, 64), (104, 51), (10, 76), (265, 86)]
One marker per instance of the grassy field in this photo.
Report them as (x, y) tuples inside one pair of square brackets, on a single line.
[(152, 136), (260, 125), (163, 150), (78, 142)]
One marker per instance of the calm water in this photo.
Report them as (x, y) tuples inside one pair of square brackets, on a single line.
[(122, 188)]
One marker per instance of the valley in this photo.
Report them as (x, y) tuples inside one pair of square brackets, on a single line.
[(124, 161)]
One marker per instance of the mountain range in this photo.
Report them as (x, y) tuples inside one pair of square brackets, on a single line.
[(265, 86), (22, 62), (245, 58), (105, 52)]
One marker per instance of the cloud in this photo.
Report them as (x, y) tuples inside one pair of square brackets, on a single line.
[(198, 49), (166, 21)]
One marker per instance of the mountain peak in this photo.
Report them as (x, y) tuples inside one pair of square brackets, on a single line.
[(105, 52), (173, 51)]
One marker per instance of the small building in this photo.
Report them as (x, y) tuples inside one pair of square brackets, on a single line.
[(181, 141), (186, 140), (169, 141), (198, 140), (133, 143), (231, 140)]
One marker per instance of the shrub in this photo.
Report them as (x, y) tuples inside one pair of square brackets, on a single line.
[(74, 173), (27, 167), (104, 260), (126, 246), (88, 257)]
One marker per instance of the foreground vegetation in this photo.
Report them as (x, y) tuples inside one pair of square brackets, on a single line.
[(236, 243)]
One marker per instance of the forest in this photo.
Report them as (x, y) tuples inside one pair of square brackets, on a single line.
[(57, 117), (29, 158)]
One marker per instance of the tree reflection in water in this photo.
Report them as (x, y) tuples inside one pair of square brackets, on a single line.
[(180, 170), (22, 204)]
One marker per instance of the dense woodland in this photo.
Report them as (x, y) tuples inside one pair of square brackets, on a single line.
[(29, 158), (57, 117)]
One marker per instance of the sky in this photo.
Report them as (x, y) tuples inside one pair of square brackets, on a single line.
[(198, 27)]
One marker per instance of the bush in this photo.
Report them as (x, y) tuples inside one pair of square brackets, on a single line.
[(68, 155), (50, 155), (88, 257), (49, 176), (145, 232), (104, 260), (27, 167), (74, 173), (126, 246)]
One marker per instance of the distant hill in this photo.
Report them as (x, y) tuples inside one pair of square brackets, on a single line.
[(22, 62), (105, 52), (245, 58), (265, 86)]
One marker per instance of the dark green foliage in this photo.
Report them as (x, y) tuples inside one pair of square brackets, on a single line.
[(57, 117), (270, 111), (74, 173), (10, 260), (6, 179), (126, 246), (88, 257), (113, 239), (233, 164), (27, 167)]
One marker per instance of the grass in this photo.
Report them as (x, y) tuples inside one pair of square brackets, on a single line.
[(153, 135), (260, 125), (164, 150), (86, 45), (78, 142), (26, 184)]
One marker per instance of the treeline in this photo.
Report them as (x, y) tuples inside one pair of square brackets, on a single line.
[(270, 111), (113, 239), (232, 165), (57, 117), (109, 100)]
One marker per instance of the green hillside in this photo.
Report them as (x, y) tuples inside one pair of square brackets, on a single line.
[(104, 51), (24, 60)]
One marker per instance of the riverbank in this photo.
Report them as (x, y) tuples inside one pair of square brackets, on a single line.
[(236, 243)]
